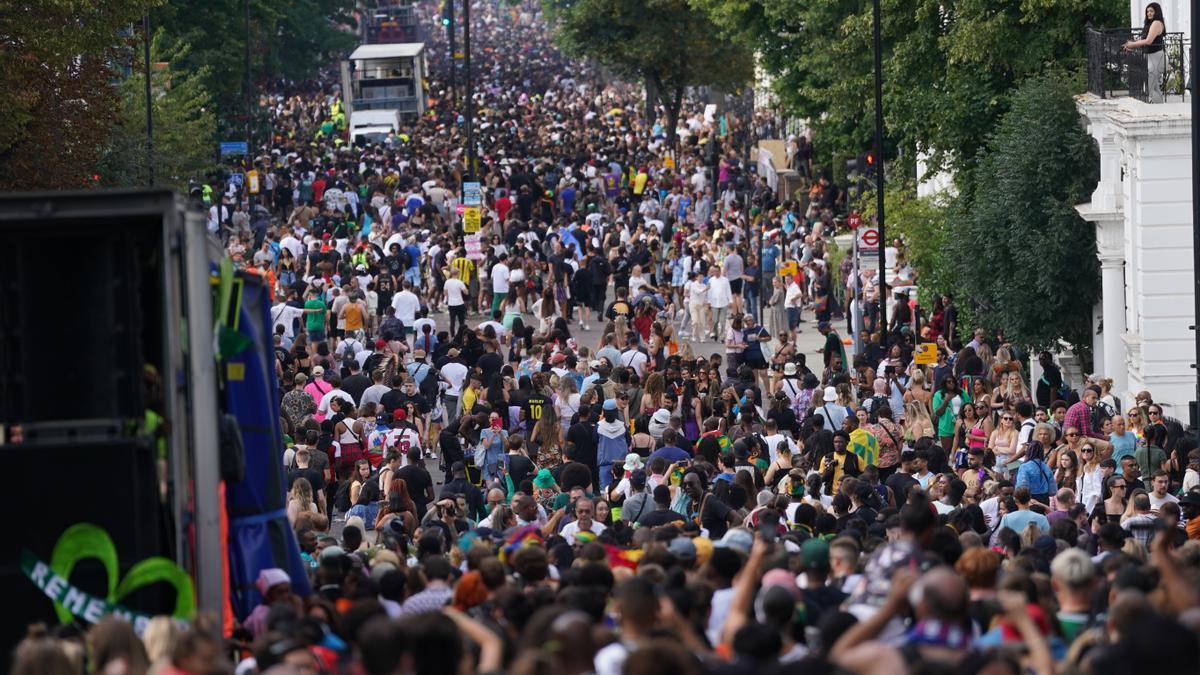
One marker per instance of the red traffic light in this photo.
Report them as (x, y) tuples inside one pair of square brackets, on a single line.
[(871, 159)]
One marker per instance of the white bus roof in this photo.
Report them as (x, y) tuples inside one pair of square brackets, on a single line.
[(399, 50)]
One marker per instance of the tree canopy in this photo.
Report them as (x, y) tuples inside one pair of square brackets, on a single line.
[(949, 65), (56, 62), (667, 44), (184, 126), (1021, 255)]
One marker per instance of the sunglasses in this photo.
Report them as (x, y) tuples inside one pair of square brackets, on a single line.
[(1007, 417), (1155, 413), (1083, 450), (1071, 435)]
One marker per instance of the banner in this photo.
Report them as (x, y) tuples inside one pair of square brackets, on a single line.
[(86, 541)]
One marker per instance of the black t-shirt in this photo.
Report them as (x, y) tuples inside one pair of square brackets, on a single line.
[(900, 484), (713, 517), (520, 468), (391, 400), (418, 481), (356, 385), (313, 476), (534, 405), (490, 363), (583, 436), (656, 518)]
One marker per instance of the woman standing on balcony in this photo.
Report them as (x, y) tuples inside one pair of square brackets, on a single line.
[(1153, 30)]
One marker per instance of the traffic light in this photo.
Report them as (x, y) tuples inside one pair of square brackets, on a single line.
[(447, 12), (863, 166)]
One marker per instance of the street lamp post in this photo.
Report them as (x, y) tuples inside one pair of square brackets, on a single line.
[(883, 287), (149, 105), (470, 94)]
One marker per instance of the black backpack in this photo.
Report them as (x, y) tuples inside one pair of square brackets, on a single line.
[(877, 401)]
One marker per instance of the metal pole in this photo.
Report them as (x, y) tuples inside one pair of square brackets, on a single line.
[(1194, 412), (468, 89), (245, 5), (453, 57), (883, 288), (149, 105)]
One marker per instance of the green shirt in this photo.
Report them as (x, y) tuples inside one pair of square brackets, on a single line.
[(945, 422), (314, 320)]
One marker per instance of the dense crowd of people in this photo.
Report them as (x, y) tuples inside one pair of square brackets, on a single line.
[(625, 505)]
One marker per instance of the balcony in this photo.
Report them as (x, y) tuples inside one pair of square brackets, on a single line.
[(1113, 72)]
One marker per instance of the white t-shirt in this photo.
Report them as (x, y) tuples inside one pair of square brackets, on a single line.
[(632, 358), (697, 292), (501, 333), (1157, 502), (456, 292), (406, 305), (456, 373), (572, 528), (323, 406), (719, 292), (285, 315), (500, 278), (773, 445)]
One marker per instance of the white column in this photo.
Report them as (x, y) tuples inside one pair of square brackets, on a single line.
[(1112, 279)]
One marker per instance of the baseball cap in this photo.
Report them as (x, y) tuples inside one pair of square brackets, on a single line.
[(610, 404), (814, 553), (683, 549), (738, 539)]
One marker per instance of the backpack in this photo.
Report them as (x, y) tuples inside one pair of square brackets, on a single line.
[(877, 401), (1100, 414), (429, 385)]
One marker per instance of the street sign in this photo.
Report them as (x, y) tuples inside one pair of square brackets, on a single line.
[(472, 194), (789, 269), (471, 220), (252, 177), (868, 237), (854, 220), (925, 354), (238, 179), (234, 148)]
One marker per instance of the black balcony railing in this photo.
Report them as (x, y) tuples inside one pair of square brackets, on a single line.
[(1114, 72)]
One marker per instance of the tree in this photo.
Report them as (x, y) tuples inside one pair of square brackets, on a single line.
[(289, 39), (923, 224), (1021, 255), (57, 61), (184, 126), (666, 44), (949, 65)]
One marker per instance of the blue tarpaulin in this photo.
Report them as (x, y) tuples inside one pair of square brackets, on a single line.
[(259, 534)]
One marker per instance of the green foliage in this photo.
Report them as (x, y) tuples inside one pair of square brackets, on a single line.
[(56, 63), (949, 65), (291, 39), (923, 224), (184, 126), (1021, 255), (665, 43)]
